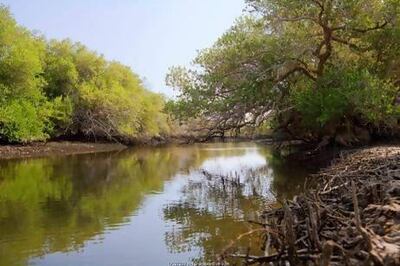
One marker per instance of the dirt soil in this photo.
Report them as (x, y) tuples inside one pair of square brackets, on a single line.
[(55, 149)]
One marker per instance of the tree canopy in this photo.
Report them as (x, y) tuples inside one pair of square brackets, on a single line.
[(54, 88), (314, 70)]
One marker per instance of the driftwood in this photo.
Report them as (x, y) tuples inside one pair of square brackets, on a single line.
[(349, 216)]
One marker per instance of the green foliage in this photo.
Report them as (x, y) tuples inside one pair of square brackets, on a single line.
[(230, 82), (22, 106), (347, 93), (60, 71), (308, 66), (51, 88), (21, 121), (59, 112), (153, 118)]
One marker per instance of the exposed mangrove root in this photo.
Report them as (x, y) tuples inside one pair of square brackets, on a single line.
[(349, 216)]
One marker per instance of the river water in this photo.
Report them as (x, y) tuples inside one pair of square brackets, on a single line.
[(143, 206)]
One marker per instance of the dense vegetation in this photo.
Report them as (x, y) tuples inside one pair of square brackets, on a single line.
[(59, 88), (317, 70)]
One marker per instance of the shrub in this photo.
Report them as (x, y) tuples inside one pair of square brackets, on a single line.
[(345, 95)]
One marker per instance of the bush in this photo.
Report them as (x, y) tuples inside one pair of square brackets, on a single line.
[(21, 121), (342, 95), (51, 88)]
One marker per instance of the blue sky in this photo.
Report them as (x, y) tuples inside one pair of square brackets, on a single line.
[(148, 35)]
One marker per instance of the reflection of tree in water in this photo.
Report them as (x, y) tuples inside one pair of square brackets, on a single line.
[(215, 208), (57, 204), (201, 230), (288, 176)]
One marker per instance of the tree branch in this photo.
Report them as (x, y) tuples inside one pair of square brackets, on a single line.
[(293, 70), (351, 45), (297, 19), (377, 27)]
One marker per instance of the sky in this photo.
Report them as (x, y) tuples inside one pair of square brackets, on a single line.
[(148, 35)]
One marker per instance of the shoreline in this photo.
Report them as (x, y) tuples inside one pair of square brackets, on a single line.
[(62, 147), (349, 215), (70, 147), (55, 148)]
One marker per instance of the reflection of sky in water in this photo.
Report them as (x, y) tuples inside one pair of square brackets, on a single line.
[(251, 168), (251, 160)]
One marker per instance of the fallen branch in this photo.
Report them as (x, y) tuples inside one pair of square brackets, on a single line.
[(349, 216)]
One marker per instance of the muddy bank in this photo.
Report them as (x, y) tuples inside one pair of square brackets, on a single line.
[(79, 145), (55, 149), (349, 216)]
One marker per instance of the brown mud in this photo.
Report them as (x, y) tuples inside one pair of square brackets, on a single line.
[(55, 149)]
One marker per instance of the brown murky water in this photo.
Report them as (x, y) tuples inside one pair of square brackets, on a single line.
[(150, 206)]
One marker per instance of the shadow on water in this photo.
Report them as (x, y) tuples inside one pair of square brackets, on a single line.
[(120, 208)]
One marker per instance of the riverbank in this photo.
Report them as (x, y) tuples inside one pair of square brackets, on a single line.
[(77, 146), (349, 216), (58, 148)]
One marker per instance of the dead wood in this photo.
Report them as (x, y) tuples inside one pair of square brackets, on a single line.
[(349, 216)]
